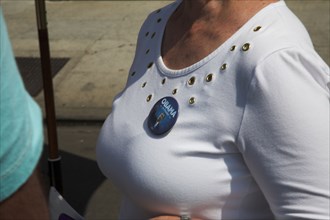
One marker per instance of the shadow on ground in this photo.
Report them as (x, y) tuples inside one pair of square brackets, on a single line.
[(81, 177)]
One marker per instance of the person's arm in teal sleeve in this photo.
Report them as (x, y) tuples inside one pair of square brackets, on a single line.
[(21, 140)]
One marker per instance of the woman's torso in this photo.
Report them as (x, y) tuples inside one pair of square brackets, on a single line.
[(196, 168)]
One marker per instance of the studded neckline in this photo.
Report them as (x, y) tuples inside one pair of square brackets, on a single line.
[(226, 46)]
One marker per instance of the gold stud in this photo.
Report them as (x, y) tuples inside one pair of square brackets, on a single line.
[(153, 35), (150, 64), (147, 34), (163, 81), (149, 98), (159, 20), (232, 48), (147, 51), (192, 100), (144, 84), (224, 66), (257, 28), (133, 73), (246, 47), (191, 81), (174, 91), (209, 77)]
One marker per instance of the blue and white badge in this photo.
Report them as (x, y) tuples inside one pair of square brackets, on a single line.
[(163, 115)]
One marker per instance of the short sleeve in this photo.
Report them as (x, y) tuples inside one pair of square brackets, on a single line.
[(284, 134), (21, 133)]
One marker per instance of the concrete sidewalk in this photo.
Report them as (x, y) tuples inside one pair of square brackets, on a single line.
[(99, 37)]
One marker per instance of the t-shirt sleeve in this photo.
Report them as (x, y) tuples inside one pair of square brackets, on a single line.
[(21, 134), (284, 134)]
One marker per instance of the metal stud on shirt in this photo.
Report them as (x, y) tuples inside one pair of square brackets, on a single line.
[(174, 91), (163, 81), (224, 66), (246, 47), (144, 84), (133, 73), (257, 28), (149, 98), (209, 77), (232, 48), (150, 64), (191, 81), (192, 100)]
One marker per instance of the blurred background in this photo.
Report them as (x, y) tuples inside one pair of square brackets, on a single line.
[(92, 47)]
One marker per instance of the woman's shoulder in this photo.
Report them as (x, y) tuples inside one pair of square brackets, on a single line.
[(278, 31)]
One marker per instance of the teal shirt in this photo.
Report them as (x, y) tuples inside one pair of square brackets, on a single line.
[(21, 131)]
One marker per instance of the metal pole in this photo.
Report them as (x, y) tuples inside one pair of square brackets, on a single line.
[(54, 159)]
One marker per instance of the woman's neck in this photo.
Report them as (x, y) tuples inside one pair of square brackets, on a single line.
[(198, 27), (220, 10)]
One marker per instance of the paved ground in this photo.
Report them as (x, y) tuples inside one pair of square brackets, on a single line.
[(99, 37)]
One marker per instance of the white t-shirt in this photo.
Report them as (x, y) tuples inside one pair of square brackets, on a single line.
[(251, 140)]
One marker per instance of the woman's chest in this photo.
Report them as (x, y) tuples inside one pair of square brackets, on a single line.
[(193, 159), (208, 115), (205, 105)]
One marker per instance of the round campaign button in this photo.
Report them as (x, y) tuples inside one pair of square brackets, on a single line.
[(163, 115)]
